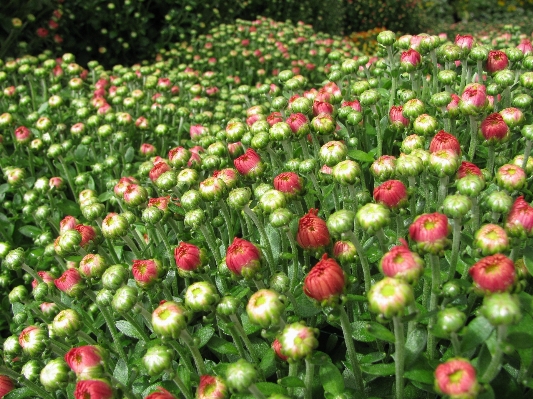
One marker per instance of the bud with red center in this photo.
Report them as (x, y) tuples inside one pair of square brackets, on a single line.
[(274, 118), (325, 282), (445, 141), (491, 239), (430, 233), (169, 319), (322, 107), (312, 231), (276, 346), (87, 362), (92, 266), (494, 129), (344, 251), (93, 389), (513, 117), (384, 167), (511, 177), (323, 124), (468, 168), (465, 43), (289, 183), (22, 135), (160, 393), (70, 283), (243, 258), (88, 235), (122, 184), (265, 308), (474, 99), (157, 170), (249, 164), (494, 273), (401, 263), (299, 124), (496, 61), (298, 341), (211, 387), (189, 258), (392, 194), (457, 379), (146, 272), (410, 60), (519, 222), (45, 276), (389, 297), (396, 118)]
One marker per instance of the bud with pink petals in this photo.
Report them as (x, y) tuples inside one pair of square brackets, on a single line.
[(456, 378), (243, 258)]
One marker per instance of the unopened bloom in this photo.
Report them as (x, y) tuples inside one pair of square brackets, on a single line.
[(465, 42), (496, 61), (243, 258), (157, 170), (384, 167), (146, 272), (54, 375), (276, 346), (392, 194), (400, 262), (430, 232), (390, 296), (93, 389), (372, 217), (525, 47), (157, 359), (494, 129), (445, 141), (396, 118), (201, 296), (325, 281), (189, 257), (289, 183), (468, 168), (169, 319), (211, 387), (249, 164), (494, 273), (501, 309), (265, 308), (457, 378), (71, 283), (6, 385), (160, 393), (344, 251), (240, 375), (519, 222), (491, 239), (410, 60), (298, 341), (87, 362), (66, 323), (312, 231), (511, 177), (474, 99)]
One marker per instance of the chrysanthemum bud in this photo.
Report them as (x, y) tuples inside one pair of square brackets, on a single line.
[(491, 239), (157, 359), (272, 200), (211, 387), (93, 389), (409, 165), (312, 231), (125, 299), (18, 294), (392, 194), (519, 222), (474, 99), (384, 167), (340, 222), (501, 309), (249, 164), (401, 263), (325, 282), (169, 319), (114, 277), (66, 323), (114, 226), (194, 219), (14, 259), (54, 375), (430, 233), (346, 172), (372, 217), (240, 375), (456, 206), (456, 378), (264, 308), (298, 341), (201, 296), (70, 283), (33, 341), (470, 185), (333, 152), (495, 273), (243, 258), (390, 296), (449, 320), (499, 202), (511, 177)]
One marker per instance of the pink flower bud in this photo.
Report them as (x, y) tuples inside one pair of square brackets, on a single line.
[(70, 283), (87, 362), (519, 222), (496, 61), (400, 262), (312, 231), (392, 194), (93, 389), (430, 233), (243, 258), (495, 273), (457, 378), (445, 141), (494, 129), (146, 272), (325, 281)]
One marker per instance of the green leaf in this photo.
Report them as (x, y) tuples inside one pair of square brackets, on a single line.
[(380, 332), (248, 326), (274, 239), (360, 156), (69, 207), (121, 372), (128, 156), (269, 388), (105, 196), (268, 363), (81, 151), (477, 331), (127, 329), (372, 357), (415, 344), (360, 332), (221, 346), (369, 129), (520, 340), (19, 393), (528, 259), (30, 231), (379, 369), (331, 378), (42, 109), (291, 382), (204, 334), (424, 376), (306, 308)]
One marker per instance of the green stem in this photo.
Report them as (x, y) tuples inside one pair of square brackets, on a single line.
[(527, 151), (309, 377), (352, 354), (443, 190), (264, 238), (455, 247), (227, 218), (364, 261), (412, 198), (496, 362), (473, 138), (399, 357), (69, 179), (132, 246), (234, 319), (490, 159), (36, 389), (256, 392), (163, 236), (433, 303), (198, 359), (456, 344), (112, 251), (182, 354), (293, 271), (382, 240), (211, 243)]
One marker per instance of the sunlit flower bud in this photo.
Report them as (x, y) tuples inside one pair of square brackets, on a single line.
[(169, 319), (243, 258), (201, 296), (298, 341), (157, 359), (33, 341), (430, 233), (511, 177), (373, 217), (390, 296), (54, 375)]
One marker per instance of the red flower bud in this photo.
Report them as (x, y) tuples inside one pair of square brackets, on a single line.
[(519, 222), (288, 183), (189, 257), (496, 61), (494, 129), (467, 169), (211, 387), (445, 141), (243, 258), (392, 194), (249, 164), (312, 231), (157, 170), (457, 379), (6, 385), (160, 393), (430, 232), (400, 262), (86, 361), (325, 281), (495, 273), (70, 283), (146, 272), (93, 389), (276, 345), (396, 117)]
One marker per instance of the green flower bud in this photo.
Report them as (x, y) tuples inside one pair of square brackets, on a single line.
[(264, 308), (186, 178), (389, 297), (413, 108), (152, 215), (14, 259), (280, 217), (526, 79), (340, 222), (470, 185), (406, 95), (169, 319), (504, 78), (40, 292), (114, 226), (55, 375), (4, 249), (456, 206), (240, 376), (93, 211), (449, 321), (308, 166), (372, 217), (425, 125), (369, 97), (302, 105), (280, 131), (31, 370), (527, 132), (272, 200), (228, 305), (114, 277), (66, 323), (323, 124), (447, 77), (411, 143), (522, 101), (279, 282), (479, 53), (104, 297), (194, 219), (18, 294), (68, 243), (386, 38), (441, 99), (409, 165), (201, 296), (444, 162), (359, 87), (346, 172), (333, 152), (157, 359), (501, 309), (33, 340), (239, 197), (298, 341), (125, 299), (167, 180)]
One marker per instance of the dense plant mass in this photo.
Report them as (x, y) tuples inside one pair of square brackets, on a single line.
[(270, 213)]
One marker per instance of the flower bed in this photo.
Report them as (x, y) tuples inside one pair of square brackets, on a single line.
[(272, 215)]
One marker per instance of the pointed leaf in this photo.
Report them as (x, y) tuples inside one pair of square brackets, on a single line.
[(415, 344), (30, 231), (424, 376), (19, 394), (331, 378), (121, 372), (204, 334), (379, 369), (380, 332), (221, 346), (127, 329), (477, 331), (291, 382), (360, 156)]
